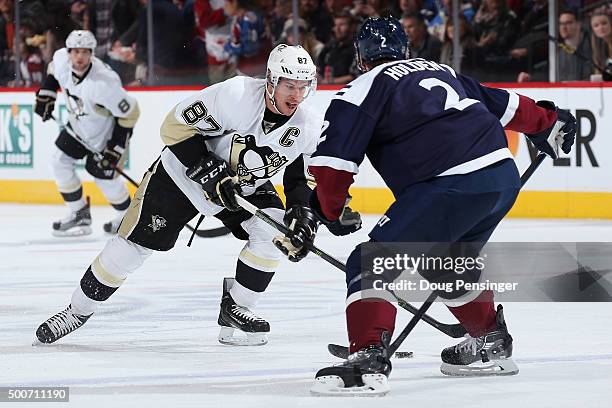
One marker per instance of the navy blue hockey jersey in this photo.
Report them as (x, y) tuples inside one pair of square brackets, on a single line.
[(416, 119)]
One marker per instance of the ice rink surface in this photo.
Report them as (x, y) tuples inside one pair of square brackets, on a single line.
[(154, 343)]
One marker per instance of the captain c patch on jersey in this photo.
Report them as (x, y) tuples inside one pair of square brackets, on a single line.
[(252, 162)]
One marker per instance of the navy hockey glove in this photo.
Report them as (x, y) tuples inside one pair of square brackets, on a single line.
[(349, 221), (216, 179), (303, 225), (45, 103), (561, 134)]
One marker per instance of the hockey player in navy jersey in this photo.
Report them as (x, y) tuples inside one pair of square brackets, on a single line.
[(437, 139)]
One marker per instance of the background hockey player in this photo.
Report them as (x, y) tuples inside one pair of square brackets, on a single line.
[(230, 138), (103, 115), (437, 139)]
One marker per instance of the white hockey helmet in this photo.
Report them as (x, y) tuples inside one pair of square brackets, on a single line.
[(292, 62), (81, 39)]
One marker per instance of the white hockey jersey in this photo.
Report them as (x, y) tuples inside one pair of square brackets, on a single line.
[(230, 116), (94, 101)]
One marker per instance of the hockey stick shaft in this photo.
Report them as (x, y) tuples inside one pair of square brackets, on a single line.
[(433, 295), (96, 153), (281, 227), (420, 313), (452, 330), (215, 232), (532, 168)]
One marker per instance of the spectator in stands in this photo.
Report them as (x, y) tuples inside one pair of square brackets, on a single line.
[(122, 55), (306, 39), (59, 25), (170, 39), (410, 7), (31, 65), (530, 51), (214, 29), (437, 25), (124, 17), (422, 44), (334, 7), (79, 12), (336, 58), (466, 44), (575, 52), (494, 27), (277, 19), (601, 40), (7, 28), (101, 27), (248, 45), (318, 19)]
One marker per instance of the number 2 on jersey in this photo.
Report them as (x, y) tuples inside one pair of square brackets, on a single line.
[(452, 97)]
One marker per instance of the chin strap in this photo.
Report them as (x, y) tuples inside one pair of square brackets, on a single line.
[(271, 96)]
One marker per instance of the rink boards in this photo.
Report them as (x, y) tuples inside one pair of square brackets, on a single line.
[(578, 185)]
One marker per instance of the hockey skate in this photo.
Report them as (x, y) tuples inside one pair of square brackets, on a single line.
[(77, 224), (59, 325), (234, 317), (364, 373), (489, 354)]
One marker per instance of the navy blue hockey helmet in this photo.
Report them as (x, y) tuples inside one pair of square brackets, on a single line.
[(381, 39)]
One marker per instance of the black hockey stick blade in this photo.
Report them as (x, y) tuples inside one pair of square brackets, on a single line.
[(339, 351), (209, 233), (453, 330)]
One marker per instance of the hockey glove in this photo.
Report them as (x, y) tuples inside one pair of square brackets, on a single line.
[(110, 157), (115, 148), (349, 221), (561, 134), (216, 179), (302, 224), (45, 103)]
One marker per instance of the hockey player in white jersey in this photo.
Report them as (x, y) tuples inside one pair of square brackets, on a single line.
[(227, 139), (103, 115)]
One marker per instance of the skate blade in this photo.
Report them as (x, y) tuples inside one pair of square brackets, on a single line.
[(374, 385), (226, 336), (73, 232), (494, 367)]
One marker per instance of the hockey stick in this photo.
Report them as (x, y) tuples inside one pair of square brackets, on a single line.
[(452, 330), (211, 233), (433, 295)]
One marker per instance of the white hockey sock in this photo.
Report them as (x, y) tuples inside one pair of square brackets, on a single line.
[(81, 304), (76, 205), (243, 296)]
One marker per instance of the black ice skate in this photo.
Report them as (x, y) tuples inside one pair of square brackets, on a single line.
[(364, 373), (234, 317), (489, 354), (59, 325), (78, 223)]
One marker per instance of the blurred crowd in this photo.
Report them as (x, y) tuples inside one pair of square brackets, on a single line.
[(206, 41)]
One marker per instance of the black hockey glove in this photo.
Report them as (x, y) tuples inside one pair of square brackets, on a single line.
[(302, 224), (110, 157), (45, 103), (115, 148), (216, 179), (561, 134), (349, 221)]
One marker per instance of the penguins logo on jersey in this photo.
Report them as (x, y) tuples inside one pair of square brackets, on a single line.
[(252, 162), (75, 105)]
